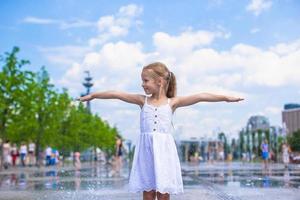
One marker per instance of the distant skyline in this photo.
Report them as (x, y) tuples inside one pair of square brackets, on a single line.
[(248, 48)]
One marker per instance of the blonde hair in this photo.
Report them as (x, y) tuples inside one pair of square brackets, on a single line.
[(159, 69)]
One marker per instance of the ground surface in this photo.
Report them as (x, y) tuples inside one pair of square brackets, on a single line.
[(205, 181)]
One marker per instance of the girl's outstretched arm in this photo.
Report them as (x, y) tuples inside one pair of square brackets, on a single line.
[(202, 97), (127, 97)]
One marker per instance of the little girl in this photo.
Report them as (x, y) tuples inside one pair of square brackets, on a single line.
[(156, 168)]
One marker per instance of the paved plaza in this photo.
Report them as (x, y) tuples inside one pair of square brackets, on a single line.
[(227, 181)]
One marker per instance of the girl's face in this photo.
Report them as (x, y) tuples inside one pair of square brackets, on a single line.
[(149, 84)]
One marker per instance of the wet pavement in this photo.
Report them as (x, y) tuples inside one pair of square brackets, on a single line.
[(205, 181)]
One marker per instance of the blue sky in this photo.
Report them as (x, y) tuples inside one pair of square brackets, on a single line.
[(249, 48)]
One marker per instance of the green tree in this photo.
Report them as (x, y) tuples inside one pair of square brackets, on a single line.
[(280, 140), (32, 109), (222, 137), (42, 109), (294, 141), (14, 83), (60, 121)]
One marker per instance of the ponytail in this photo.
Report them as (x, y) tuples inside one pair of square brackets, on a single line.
[(171, 90)]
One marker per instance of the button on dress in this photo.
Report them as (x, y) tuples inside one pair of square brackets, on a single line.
[(156, 164)]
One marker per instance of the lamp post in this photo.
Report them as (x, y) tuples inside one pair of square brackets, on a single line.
[(88, 84)]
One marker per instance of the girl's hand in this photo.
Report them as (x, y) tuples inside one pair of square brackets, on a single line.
[(85, 98), (234, 99)]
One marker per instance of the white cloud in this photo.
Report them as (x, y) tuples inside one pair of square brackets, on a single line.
[(116, 57), (72, 80), (61, 23), (184, 43), (37, 20), (269, 68), (130, 10), (258, 6), (283, 49), (251, 65), (111, 66), (118, 25)]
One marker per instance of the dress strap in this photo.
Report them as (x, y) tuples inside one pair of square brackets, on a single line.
[(168, 100), (146, 100)]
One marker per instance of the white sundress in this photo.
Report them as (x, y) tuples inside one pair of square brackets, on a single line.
[(156, 164)]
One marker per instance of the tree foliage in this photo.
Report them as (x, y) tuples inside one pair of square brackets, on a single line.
[(294, 141), (32, 109)]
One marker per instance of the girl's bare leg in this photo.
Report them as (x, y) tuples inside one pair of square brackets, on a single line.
[(161, 196), (149, 195)]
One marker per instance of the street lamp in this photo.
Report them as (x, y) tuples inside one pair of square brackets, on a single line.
[(88, 84)]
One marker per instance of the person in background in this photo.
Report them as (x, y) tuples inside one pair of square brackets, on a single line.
[(31, 150), (14, 153), (56, 156), (23, 153), (77, 162), (286, 150), (53, 157), (6, 154), (265, 153), (118, 156), (41, 157), (48, 153)]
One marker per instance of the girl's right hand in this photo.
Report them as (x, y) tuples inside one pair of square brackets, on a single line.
[(85, 98), (234, 99)]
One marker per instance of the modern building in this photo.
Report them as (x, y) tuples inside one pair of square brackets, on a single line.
[(291, 118), (277, 130), (289, 106), (250, 138), (258, 122), (188, 148), (203, 148)]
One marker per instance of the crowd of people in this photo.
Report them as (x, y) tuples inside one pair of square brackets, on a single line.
[(215, 153), (285, 154), (25, 155)]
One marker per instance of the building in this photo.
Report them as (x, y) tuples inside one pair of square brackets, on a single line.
[(258, 122), (289, 106), (204, 149), (277, 130), (251, 137), (291, 118), (188, 148)]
